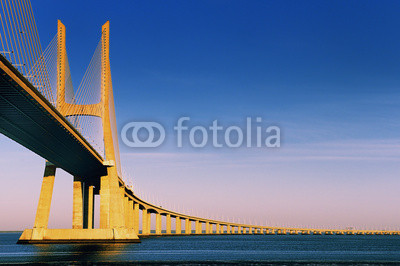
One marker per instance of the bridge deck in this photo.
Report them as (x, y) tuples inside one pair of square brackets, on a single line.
[(29, 119)]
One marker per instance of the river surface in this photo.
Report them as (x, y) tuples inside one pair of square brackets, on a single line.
[(249, 249)]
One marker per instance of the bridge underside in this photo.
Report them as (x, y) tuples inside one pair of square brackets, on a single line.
[(29, 119)]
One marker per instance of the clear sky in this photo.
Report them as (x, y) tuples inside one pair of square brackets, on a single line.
[(325, 72)]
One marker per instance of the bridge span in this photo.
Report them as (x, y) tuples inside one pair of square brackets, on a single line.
[(54, 129), (28, 118)]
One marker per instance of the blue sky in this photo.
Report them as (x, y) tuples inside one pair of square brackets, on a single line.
[(293, 61), (326, 72)]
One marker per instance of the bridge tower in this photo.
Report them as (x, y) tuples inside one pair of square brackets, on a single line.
[(115, 220)]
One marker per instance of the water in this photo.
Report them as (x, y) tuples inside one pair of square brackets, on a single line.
[(210, 249)]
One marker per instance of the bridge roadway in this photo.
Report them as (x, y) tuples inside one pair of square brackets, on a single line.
[(204, 226), (28, 118), (31, 120)]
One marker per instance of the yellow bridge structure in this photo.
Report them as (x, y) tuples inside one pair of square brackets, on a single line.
[(40, 110)]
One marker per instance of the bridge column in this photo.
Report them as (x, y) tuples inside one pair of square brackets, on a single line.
[(207, 227), (115, 203), (218, 230), (112, 208), (124, 206), (104, 202), (228, 229), (126, 211), (46, 193), (90, 223), (178, 226), (87, 202), (136, 218), (130, 214), (188, 228), (77, 204), (145, 222), (168, 223), (149, 223), (83, 204), (197, 227), (158, 224)]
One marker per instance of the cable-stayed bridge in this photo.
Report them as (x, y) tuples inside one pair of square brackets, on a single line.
[(75, 130)]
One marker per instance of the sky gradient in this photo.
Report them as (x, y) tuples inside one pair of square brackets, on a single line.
[(327, 73)]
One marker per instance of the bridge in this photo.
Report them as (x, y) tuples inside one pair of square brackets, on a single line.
[(75, 130)]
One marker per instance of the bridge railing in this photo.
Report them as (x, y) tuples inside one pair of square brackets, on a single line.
[(20, 45)]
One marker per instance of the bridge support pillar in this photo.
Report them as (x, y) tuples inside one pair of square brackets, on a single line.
[(207, 227), (168, 223), (136, 217), (145, 222), (158, 224), (178, 226), (188, 228), (104, 203), (46, 194), (90, 223), (130, 214), (83, 205), (198, 227), (149, 223), (124, 210), (77, 204)]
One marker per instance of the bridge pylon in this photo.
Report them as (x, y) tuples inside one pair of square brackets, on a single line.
[(116, 210)]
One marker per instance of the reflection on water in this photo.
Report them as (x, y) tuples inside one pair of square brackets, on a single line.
[(78, 252), (207, 249)]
